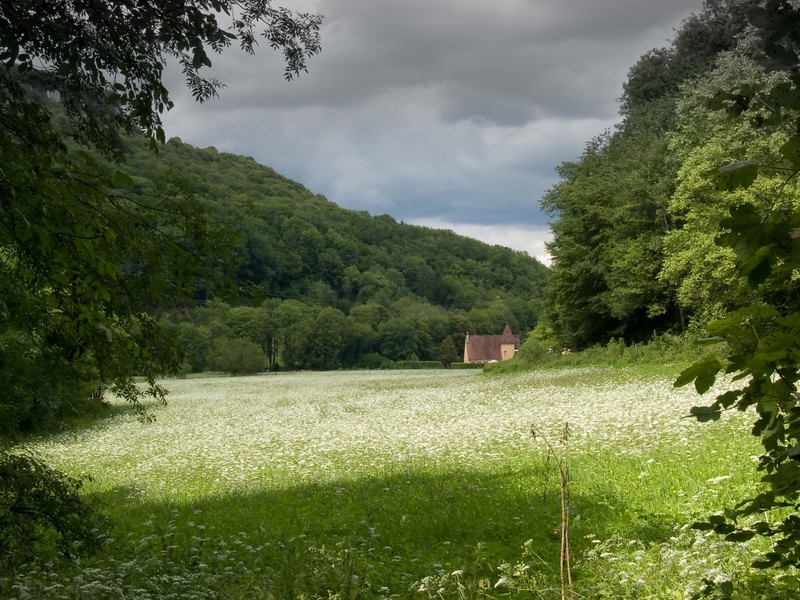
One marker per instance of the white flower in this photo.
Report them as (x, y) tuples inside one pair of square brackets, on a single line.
[(716, 480), (502, 582)]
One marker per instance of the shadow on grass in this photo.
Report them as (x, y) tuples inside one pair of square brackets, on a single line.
[(387, 531), (94, 415)]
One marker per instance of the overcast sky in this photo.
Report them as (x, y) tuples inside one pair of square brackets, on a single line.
[(446, 113)]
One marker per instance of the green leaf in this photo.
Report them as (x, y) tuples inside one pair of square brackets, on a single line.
[(769, 560), (740, 174), (199, 58), (728, 399), (702, 373), (763, 564), (758, 273), (742, 218), (767, 406), (791, 150), (711, 340)]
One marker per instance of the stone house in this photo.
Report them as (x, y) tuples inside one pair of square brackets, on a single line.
[(488, 348)]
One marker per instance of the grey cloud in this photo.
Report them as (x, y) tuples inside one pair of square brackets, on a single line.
[(434, 110), (504, 61)]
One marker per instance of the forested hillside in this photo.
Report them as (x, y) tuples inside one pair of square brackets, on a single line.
[(318, 286), (637, 215)]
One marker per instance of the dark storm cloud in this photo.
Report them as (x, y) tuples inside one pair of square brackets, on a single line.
[(430, 110)]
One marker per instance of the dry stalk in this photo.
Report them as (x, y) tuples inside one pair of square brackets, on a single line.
[(562, 464)]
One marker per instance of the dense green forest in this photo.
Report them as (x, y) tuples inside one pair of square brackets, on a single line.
[(314, 286), (635, 218)]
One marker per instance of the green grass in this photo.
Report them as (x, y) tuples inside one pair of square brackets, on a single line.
[(407, 485)]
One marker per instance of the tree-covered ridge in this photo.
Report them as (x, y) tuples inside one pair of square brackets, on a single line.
[(319, 286), (298, 244)]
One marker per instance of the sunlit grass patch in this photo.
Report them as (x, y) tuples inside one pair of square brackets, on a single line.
[(408, 484)]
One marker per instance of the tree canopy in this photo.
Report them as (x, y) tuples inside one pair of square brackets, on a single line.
[(688, 215), (760, 232), (105, 59), (635, 216), (80, 259)]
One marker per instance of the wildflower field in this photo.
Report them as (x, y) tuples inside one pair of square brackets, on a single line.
[(408, 484)]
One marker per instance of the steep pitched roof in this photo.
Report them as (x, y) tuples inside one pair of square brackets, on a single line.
[(509, 338), (480, 348)]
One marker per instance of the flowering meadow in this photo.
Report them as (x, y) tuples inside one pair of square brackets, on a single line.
[(408, 484)]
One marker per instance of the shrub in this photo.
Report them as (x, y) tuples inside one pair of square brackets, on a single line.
[(386, 363), (660, 349), (42, 513), (40, 388), (237, 356), (371, 360), (537, 351), (195, 343)]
